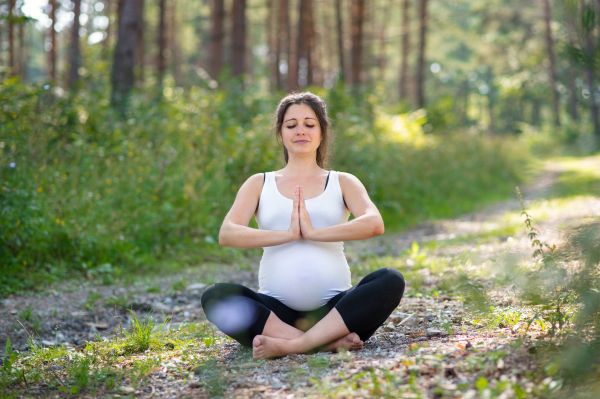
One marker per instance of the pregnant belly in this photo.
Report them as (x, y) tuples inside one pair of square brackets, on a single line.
[(304, 280)]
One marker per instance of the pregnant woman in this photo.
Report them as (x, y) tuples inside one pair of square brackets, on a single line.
[(305, 301)]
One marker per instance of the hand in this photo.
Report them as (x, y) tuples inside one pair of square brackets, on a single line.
[(295, 223), (306, 227)]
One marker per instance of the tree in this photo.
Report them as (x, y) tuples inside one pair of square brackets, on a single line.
[(74, 53), (358, 15), (421, 61), (340, 37), (552, 63), (124, 57), (405, 48), (282, 50), (216, 39), (382, 53), (53, 49), (305, 45), (238, 45), (11, 39), (141, 50), (161, 64)]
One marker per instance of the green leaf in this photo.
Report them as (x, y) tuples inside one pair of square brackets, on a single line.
[(552, 369), (74, 389), (481, 384)]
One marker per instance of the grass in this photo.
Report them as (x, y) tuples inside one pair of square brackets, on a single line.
[(108, 199)]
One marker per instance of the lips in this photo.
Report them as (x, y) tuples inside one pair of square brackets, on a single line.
[(301, 141)]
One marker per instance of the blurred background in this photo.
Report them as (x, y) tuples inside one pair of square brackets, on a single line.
[(127, 126)]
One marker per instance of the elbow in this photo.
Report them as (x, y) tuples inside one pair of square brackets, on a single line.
[(379, 228), (223, 239)]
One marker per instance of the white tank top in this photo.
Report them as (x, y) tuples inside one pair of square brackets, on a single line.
[(303, 274)]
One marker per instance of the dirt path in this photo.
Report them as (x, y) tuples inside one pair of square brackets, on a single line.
[(438, 352)]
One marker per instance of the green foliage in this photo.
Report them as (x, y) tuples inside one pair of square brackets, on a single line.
[(142, 333), (92, 194)]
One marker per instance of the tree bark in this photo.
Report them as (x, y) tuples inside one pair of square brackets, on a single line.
[(174, 44), (292, 56), (216, 39), (340, 38), (405, 48), (161, 62), (311, 51), (421, 61), (11, 39), (381, 59), (22, 48), (271, 38), (52, 32), (282, 40), (140, 52), (552, 71), (238, 45), (304, 45), (124, 56), (75, 53), (358, 13)]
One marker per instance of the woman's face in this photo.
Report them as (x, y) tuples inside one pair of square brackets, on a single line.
[(301, 131)]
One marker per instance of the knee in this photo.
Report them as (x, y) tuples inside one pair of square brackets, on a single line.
[(208, 295), (394, 280)]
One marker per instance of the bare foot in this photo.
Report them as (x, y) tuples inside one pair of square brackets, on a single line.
[(264, 347), (350, 342)]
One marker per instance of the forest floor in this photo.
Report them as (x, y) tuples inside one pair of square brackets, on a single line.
[(461, 330)]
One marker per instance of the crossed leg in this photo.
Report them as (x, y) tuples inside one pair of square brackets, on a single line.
[(280, 339), (265, 345)]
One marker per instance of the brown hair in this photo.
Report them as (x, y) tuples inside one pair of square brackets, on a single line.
[(320, 109)]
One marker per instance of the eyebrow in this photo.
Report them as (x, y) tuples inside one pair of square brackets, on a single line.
[(293, 119)]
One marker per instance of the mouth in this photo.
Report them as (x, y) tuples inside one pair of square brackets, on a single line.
[(301, 142)]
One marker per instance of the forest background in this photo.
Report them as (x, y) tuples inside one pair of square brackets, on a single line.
[(126, 127)]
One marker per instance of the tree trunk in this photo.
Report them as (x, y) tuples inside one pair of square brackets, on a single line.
[(22, 49), (550, 45), (161, 62), (75, 53), (381, 59), (271, 38), (421, 62), (340, 38), (216, 39), (124, 57), (572, 95), (238, 44), (281, 41), (589, 69), (174, 44), (11, 39), (405, 48), (303, 45), (292, 56), (140, 53), (311, 51), (52, 32), (358, 13)]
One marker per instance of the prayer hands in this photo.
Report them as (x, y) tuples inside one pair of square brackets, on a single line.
[(300, 225)]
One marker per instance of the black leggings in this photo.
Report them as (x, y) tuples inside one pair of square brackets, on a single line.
[(242, 313)]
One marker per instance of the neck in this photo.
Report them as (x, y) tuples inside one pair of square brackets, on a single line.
[(302, 165)]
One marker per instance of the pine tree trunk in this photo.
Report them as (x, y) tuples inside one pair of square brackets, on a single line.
[(302, 44), (421, 62), (550, 45), (405, 48), (358, 14), (292, 56), (11, 39), (22, 48), (340, 38), (141, 50), (381, 59), (281, 41), (174, 44), (75, 53), (311, 53), (161, 62), (53, 50), (238, 45), (271, 38), (216, 39), (124, 56)]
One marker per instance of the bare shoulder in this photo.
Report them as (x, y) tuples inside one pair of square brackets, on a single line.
[(253, 185), (350, 182)]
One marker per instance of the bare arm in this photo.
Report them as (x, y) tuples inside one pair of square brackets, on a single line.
[(367, 220), (235, 232)]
